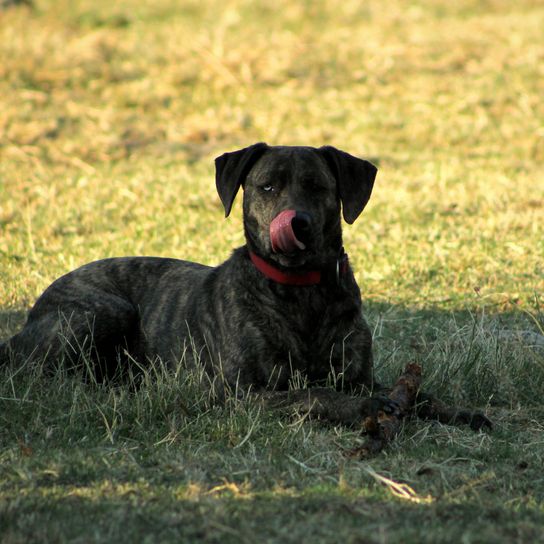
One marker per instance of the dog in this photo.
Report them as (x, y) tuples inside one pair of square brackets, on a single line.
[(285, 303)]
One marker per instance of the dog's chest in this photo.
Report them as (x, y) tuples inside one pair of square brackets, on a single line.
[(263, 333), (305, 333)]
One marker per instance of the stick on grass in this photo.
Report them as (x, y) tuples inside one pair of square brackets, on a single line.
[(383, 427)]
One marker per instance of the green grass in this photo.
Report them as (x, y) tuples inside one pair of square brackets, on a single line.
[(110, 116)]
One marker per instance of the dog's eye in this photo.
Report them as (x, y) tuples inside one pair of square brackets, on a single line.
[(268, 188)]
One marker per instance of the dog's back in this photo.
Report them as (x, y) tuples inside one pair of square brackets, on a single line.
[(97, 310)]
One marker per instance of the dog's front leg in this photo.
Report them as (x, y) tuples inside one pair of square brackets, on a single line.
[(327, 404), (429, 407)]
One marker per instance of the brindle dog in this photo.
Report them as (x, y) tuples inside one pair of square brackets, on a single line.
[(286, 301)]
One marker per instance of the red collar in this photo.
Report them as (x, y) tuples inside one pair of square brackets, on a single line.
[(309, 277)]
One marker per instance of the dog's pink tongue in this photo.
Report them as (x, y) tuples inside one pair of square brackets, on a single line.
[(282, 236)]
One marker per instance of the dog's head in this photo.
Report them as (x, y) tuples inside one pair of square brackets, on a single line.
[(292, 198)]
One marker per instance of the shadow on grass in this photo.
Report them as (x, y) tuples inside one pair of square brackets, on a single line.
[(159, 515), (468, 356), (125, 465)]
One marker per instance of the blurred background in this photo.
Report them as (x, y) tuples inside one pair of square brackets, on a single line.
[(111, 114)]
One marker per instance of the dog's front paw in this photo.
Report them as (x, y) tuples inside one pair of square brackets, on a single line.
[(476, 420), (382, 403), (428, 407)]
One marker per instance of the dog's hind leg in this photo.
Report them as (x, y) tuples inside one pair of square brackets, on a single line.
[(94, 335)]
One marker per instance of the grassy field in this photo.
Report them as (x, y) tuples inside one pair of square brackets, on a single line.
[(110, 116)]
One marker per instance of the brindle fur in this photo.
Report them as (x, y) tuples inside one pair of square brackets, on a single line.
[(256, 333)]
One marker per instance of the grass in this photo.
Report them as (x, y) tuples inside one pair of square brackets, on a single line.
[(110, 116)]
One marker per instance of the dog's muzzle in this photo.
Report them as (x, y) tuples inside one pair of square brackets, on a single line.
[(290, 231)]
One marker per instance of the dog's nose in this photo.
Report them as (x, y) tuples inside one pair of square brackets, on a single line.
[(290, 231), (302, 226)]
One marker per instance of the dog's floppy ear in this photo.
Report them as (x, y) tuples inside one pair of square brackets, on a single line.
[(231, 170), (355, 179)]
